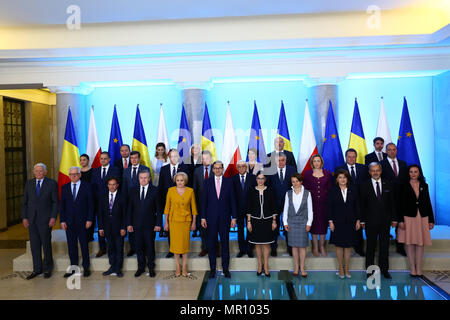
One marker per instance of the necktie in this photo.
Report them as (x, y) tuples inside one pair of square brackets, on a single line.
[(380, 157), (281, 176), (74, 193), (218, 187), (352, 172), (243, 182), (111, 202), (134, 176), (174, 172), (38, 188), (206, 172), (378, 191), (104, 174), (395, 168), (125, 163), (143, 194)]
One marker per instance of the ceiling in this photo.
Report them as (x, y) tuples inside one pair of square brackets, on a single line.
[(43, 12)]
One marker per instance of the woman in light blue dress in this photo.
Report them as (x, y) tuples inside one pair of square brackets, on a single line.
[(159, 160)]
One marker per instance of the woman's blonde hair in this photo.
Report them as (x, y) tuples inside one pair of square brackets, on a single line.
[(184, 175), (312, 159)]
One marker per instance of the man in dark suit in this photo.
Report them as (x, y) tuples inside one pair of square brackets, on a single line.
[(200, 175), (130, 180), (77, 214), (124, 161), (99, 177), (378, 155), (396, 171), (279, 148), (218, 209), (144, 219), (39, 212), (378, 214), (280, 182), (243, 182), (113, 224), (166, 176), (359, 175)]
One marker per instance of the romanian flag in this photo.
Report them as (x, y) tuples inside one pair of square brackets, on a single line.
[(115, 138), (406, 144), (332, 151), (283, 131), (207, 135), (184, 140), (70, 156), (139, 141), (256, 138), (357, 140)]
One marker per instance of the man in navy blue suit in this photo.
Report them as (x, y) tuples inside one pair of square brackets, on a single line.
[(130, 181), (144, 219), (359, 175), (280, 183), (378, 155), (243, 182), (113, 225), (218, 210), (99, 177), (77, 214), (166, 176)]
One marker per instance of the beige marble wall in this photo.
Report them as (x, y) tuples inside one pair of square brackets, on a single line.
[(3, 215)]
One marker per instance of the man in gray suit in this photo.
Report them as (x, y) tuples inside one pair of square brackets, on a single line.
[(39, 212)]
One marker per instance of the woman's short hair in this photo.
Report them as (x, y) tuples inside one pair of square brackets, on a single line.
[(298, 176), (184, 175), (312, 159), (345, 173), (261, 173)]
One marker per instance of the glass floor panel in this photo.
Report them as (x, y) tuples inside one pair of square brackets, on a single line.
[(319, 285)]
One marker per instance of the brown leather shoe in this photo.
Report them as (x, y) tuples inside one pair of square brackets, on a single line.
[(100, 253), (203, 253)]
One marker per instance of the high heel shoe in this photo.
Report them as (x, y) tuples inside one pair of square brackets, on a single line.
[(259, 273), (304, 275), (267, 274)]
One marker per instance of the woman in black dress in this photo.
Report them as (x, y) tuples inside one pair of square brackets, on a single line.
[(86, 170), (343, 217), (261, 221)]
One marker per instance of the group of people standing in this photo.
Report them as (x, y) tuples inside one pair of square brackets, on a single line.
[(192, 194)]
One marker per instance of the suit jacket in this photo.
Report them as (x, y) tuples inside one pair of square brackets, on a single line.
[(388, 172), (100, 185), (343, 212), (218, 210), (410, 203), (146, 214), (119, 165), (42, 208), (118, 212), (362, 174), (127, 182), (372, 157), (199, 179), (279, 188), (166, 182), (76, 213), (253, 208), (241, 195), (376, 212), (290, 160)]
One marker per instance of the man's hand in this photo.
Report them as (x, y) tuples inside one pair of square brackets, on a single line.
[(286, 227), (358, 225), (130, 229), (157, 229), (123, 233), (394, 224), (63, 226), (233, 223), (89, 224), (26, 223), (204, 225), (52, 222)]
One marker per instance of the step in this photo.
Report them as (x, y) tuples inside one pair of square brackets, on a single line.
[(432, 261)]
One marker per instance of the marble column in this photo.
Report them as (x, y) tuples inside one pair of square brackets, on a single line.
[(194, 100), (318, 97)]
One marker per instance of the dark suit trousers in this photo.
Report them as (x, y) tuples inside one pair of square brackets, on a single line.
[(223, 230), (115, 248), (145, 247), (75, 235), (41, 238), (360, 241), (101, 240), (381, 233), (244, 245), (202, 232)]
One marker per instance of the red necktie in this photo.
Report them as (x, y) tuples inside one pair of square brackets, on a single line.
[(395, 168), (125, 164), (206, 172)]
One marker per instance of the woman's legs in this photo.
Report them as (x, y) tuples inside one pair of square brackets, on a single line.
[(302, 260), (323, 252), (296, 257), (185, 260), (340, 258), (259, 256), (411, 253), (266, 248), (177, 261), (315, 243), (347, 254), (419, 257)]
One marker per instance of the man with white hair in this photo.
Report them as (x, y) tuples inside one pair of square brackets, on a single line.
[(39, 212), (77, 214)]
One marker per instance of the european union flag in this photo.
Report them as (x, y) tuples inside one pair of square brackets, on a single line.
[(332, 151), (184, 140), (406, 144), (115, 138), (256, 138)]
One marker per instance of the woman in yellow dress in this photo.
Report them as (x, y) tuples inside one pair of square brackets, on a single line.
[(180, 217)]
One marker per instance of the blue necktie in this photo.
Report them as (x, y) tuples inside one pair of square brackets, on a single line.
[(143, 194), (104, 174), (242, 182), (281, 175), (38, 188), (134, 175), (74, 193), (353, 174)]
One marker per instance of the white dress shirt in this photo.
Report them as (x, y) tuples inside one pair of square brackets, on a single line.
[(113, 196), (374, 184), (350, 169), (344, 194), (42, 180), (392, 164), (137, 170), (379, 155), (297, 201), (127, 161), (106, 172), (145, 190), (77, 189)]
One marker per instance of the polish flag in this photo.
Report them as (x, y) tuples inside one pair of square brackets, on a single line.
[(93, 149), (162, 131), (383, 126), (230, 150), (308, 146)]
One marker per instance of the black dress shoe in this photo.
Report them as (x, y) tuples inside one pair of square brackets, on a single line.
[(227, 273), (259, 273), (401, 251), (33, 275), (131, 253), (218, 254), (138, 273), (119, 274), (212, 274), (194, 234), (250, 254), (161, 233), (108, 272), (86, 273), (47, 275), (203, 253), (273, 253), (68, 274), (387, 275), (169, 255), (240, 254), (151, 273)]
